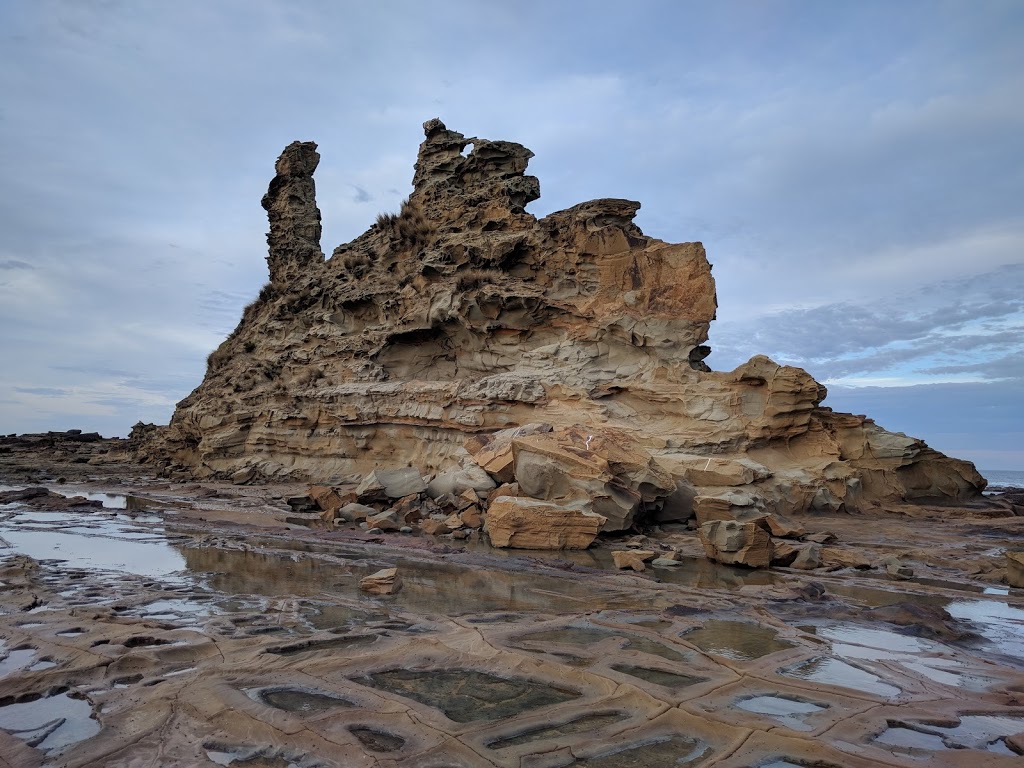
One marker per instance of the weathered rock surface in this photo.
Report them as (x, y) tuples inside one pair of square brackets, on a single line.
[(1015, 569), (734, 543), (464, 315), (525, 523)]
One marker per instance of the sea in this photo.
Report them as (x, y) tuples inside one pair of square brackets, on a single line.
[(1003, 478)]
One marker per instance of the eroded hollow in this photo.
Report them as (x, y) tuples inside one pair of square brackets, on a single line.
[(377, 741), (347, 641), (736, 639), (673, 680), (301, 701), (579, 725), (467, 695)]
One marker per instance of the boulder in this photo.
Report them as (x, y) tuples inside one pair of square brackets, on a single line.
[(632, 558), (525, 523), (1015, 569), (433, 527), (781, 527), (454, 482), (383, 521), (610, 470), (328, 500), (391, 484), (735, 543), (354, 513), (386, 581), (493, 451)]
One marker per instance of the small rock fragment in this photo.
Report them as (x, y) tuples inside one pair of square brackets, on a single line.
[(632, 558), (386, 581)]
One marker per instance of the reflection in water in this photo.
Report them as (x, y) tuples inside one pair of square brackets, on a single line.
[(50, 723), (428, 588), (831, 671), (736, 639), (790, 712)]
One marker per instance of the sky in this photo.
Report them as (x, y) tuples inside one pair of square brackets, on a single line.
[(855, 171)]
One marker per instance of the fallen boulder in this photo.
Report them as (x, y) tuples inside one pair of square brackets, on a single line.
[(735, 543), (386, 581), (609, 469), (391, 484), (524, 523)]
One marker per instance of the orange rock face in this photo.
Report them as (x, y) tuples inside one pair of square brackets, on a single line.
[(463, 315)]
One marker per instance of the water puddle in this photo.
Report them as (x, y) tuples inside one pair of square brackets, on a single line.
[(257, 757), (672, 680), (674, 750), (977, 732), (299, 700), (927, 658), (579, 725), (467, 695), (788, 711), (15, 661), (377, 741), (50, 723), (92, 542), (835, 672), (997, 621), (739, 640)]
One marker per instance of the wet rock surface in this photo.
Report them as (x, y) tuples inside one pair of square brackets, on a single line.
[(186, 624)]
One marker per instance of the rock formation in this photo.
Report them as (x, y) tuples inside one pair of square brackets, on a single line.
[(463, 315)]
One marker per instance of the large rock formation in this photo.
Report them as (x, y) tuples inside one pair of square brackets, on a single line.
[(463, 314)]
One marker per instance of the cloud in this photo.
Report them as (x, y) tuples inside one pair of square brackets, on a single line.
[(853, 169)]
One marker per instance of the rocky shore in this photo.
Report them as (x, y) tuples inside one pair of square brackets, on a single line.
[(468, 494), (209, 623)]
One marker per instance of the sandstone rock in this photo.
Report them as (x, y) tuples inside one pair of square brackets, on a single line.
[(241, 476), (714, 471), (734, 543), (665, 562), (383, 521), (896, 569), (433, 527), (463, 315), (453, 521), (843, 557), (493, 452), (1015, 569), (456, 481), (727, 504), (354, 512), (471, 517), (632, 558), (822, 537), (677, 507), (326, 498), (804, 556), (611, 470), (391, 483), (386, 581), (408, 509), (525, 523), (781, 527)]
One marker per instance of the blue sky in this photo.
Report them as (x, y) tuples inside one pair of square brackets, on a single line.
[(855, 170)]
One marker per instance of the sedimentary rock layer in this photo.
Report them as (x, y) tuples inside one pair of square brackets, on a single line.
[(463, 314)]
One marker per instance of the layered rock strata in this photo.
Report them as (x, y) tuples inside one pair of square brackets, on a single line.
[(463, 315)]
